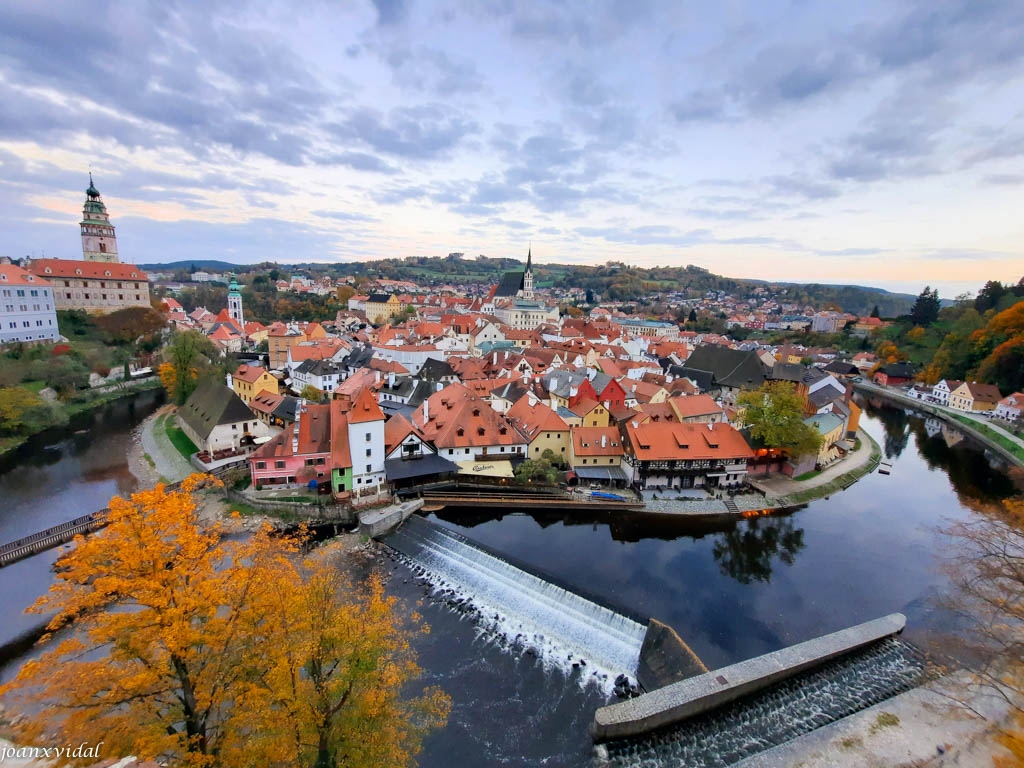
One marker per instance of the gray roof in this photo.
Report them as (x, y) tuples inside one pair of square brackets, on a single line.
[(379, 298), (787, 372), (703, 379), (359, 357), (213, 404), (319, 367), (820, 397), (511, 283), (730, 367), (286, 408), (435, 370)]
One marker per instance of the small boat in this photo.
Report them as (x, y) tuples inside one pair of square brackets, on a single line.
[(54, 447), (885, 468)]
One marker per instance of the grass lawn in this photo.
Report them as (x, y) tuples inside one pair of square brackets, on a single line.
[(34, 386), (807, 475), (178, 438)]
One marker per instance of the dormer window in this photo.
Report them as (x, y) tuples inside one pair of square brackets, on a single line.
[(480, 431), (77, 271), (460, 432), (107, 273)]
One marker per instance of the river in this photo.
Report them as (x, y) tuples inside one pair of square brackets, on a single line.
[(56, 476), (731, 591)]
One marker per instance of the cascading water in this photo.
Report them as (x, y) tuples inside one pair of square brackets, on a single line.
[(562, 627), (778, 714)]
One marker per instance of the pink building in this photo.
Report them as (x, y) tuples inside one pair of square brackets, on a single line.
[(298, 455)]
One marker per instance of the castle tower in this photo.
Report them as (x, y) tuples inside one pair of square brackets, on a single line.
[(528, 276), (98, 240), (235, 303)]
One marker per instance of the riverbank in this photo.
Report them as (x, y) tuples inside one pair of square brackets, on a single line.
[(776, 491), (1009, 447), (96, 399)]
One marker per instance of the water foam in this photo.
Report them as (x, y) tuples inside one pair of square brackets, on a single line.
[(528, 614)]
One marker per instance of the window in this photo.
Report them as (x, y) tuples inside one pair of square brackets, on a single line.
[(279, 464), (33, 293), (369, 452), (368, 437), (103, 284), (120, 286), (261, 465), (369, 467), (21, 293)]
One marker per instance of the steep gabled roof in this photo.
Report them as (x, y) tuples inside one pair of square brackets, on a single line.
[(365, 408), (730, 367), (213, 404)]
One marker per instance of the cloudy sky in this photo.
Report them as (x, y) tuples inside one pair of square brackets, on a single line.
[(879, 143)]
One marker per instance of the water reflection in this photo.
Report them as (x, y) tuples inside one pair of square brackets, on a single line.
[(746, 553)]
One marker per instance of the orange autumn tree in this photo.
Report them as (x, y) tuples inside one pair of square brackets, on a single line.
[(170, 643)]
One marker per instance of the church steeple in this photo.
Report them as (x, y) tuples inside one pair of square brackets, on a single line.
[(99, 243), (235, 303), (528, 275)]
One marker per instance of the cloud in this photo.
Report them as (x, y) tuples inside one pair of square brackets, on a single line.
[(360, 161), (344, 216), (390, 12), (800, 186), (432, 70), (418, 133)]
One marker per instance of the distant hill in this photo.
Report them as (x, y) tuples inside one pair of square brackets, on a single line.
[(198, 265), (613, 280)]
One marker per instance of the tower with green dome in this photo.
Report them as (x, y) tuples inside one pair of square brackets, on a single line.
[(99, 243), (235, 303)]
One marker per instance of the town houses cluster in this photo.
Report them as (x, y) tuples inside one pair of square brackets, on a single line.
[(417, 387)]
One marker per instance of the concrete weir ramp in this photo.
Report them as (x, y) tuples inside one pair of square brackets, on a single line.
[(721, 717), (559, 625)]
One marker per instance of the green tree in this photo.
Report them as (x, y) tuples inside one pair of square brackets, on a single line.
[(875, 312), (206, 652), (187, 357), (775, 416), (692, 318), (536, 471), (130, 324), (926, 309), (24, 412), (64, 373), (311, 393), (989, 295)]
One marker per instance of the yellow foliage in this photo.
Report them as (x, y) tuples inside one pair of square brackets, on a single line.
[(172, 644)]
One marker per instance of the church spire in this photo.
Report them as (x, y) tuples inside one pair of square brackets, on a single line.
[(529, 258)]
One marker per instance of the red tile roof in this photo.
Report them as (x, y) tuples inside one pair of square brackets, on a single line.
[(364, 408), (91, 270), (340, 455), (669, 440), (314, 435), (531, 420), (596, 441), (12, 275), (249, 373)]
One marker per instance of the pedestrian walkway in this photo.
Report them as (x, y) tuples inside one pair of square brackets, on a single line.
[(168, 461), (774, 486)]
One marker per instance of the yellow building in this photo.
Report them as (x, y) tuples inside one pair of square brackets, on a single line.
[(249, 380), (381, 307), (542, 427), (972, 396)]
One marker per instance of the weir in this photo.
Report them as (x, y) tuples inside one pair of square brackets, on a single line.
[(561, 626)]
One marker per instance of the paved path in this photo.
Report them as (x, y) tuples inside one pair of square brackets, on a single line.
[(777, 485), (169, 462)]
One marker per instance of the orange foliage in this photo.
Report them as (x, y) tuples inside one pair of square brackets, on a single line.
[(172, 644)]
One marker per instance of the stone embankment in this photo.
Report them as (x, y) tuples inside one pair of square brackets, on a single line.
[(693, 696)]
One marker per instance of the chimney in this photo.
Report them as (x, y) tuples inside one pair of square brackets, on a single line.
[(391, 380), (426, 411), (604, 441), (506, 354), (229, 381), (494, 358)]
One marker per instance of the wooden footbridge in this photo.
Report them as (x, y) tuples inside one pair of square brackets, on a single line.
[(51, 537)]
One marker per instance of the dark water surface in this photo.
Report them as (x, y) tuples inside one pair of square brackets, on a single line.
[(732, 592), (57, 476)]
